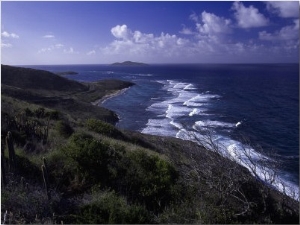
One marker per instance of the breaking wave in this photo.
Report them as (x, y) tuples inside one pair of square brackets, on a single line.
[(184, 114)]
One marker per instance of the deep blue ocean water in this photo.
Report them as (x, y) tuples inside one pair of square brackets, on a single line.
[(257, 101)]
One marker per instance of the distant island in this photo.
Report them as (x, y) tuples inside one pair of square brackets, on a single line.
[(66, 73), (129, 63)]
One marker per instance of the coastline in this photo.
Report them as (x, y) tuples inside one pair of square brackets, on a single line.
[(108, 96)]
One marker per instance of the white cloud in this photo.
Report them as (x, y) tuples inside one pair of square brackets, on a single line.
[(6, 45), (70, 51), (136, 43), (248, 17), (194, 17), (93, 52), (51, 48), (206, 45), (58, 45), (5, 34), (186, 31), (210, 32), (120, 31), (9, 35), (212, 24), (285, 9), (284, 34), (48, 36)]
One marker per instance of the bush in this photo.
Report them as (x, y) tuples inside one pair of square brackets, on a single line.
[(150, 180), (54, 115), (94, 158), (40, 112), (28, 112), (110, 208), (64, 129), (101, 127)]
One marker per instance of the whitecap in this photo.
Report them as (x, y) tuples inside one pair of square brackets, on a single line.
[(177, 125), (199, 125), (238, 123), (200, 100), (195, 111), (189, 87), (175, 111), (160, 127)]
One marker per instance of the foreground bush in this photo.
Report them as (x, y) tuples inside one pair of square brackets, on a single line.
[(94, 158), (143, 178), (109, 208), (149, 179), (101, 127), (64, 128)]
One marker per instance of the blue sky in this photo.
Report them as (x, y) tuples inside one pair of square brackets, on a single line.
[(99, 32)]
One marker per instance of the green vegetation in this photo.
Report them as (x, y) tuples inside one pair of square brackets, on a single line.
[(63, 164), (101, 127)]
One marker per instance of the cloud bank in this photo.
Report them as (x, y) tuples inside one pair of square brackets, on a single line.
[(248, 17), (284, 9), (5, 34), (213, 37)]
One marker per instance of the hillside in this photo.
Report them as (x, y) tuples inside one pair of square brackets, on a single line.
[(61, 162), (37, 79), (51, 90)]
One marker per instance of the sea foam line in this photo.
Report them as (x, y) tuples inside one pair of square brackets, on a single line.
[(183, 98)]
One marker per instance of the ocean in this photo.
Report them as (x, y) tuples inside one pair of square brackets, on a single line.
[(250, 110)]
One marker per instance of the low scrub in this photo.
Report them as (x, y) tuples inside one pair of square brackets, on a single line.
[(64, 128), (104, 128), (109, 208), (145, 179)]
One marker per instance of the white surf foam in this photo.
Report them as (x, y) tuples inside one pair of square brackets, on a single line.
[(195, 111), (189, 87), (161, 127), (238, 123), (200, 99), (175, 111), (177, 125), (186, 102), (199, 125)]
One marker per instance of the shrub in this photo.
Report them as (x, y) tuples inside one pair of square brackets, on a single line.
[(101, 127), (93, 157), (28, 112), (64, 128), (54, 115), (111, 208), (40, 112), (150, 179)]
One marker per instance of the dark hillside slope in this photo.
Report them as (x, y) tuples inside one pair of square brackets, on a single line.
[(37, 79), (50, 90)]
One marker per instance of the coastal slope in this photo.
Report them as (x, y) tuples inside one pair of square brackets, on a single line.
[(61, 156)]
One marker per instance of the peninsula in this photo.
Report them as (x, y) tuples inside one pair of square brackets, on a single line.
[(67, 73)]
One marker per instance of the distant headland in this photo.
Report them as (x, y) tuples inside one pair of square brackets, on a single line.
[(66, 73), (129, 63)]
